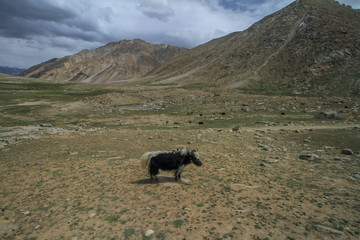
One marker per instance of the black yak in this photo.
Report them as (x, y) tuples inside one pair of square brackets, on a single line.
[(175, 160)]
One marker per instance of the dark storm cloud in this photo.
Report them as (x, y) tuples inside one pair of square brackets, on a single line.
[(29, 19), (20, 18)]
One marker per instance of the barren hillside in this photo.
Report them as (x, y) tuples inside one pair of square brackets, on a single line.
[(113, 62)]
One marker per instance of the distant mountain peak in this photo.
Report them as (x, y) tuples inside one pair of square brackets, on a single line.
[(122, 60), (11, 70)]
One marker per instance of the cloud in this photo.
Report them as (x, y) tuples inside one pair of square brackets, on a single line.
[(22, 19), (158, 9)]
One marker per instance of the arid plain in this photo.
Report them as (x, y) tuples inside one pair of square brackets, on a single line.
[(274, 166)]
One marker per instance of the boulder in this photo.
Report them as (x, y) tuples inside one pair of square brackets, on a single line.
[(347, 151)]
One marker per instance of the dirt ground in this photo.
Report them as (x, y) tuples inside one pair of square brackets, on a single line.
[(273, 179), (92, 187)]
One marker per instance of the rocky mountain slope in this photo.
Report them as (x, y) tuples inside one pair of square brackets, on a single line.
[(308, 46), (292, 48), (113, 62)]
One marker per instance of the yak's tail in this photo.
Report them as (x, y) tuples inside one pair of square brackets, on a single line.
[(145, 160)]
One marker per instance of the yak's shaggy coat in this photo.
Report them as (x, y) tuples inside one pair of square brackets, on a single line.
[(175, 160)]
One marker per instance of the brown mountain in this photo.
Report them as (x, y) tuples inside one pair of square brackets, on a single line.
[(127, 59), (308, 46)]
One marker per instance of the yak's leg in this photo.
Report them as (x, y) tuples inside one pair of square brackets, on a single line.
[(178, 172), (154, 177), (153, 171)]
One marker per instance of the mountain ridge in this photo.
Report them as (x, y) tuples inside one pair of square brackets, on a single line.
[(114, 61), (11, 70), (294, 47)]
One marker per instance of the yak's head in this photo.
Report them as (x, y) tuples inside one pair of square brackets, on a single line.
[(194, 156)]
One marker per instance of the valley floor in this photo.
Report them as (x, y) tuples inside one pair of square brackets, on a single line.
[(271, 170)]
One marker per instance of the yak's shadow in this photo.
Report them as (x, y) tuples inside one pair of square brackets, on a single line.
[(162, 179)]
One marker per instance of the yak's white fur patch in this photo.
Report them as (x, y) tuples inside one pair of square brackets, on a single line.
[(184, 151)]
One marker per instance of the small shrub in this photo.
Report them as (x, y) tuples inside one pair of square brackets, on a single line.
[(128, 233), (178, 223), (113, 218)]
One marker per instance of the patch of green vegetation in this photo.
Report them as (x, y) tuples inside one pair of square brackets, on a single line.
[(178, 223), (15, 92), (259, 238), (161, 236), (338, 138), (114, 198), (156, 195), (113, 218), (128, 233)]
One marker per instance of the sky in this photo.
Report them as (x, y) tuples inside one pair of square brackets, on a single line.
[(34, 31)]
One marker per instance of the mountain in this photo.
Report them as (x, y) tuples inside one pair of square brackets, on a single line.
[(308, 46), (11, 70), (115, 61)]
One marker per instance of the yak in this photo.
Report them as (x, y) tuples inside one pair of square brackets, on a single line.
[(173, 160)]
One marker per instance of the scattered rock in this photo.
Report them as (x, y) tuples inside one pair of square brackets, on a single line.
[(270, 160), (341, 159), (351, 178), (149, 232), (27, 213), (45, 125), (265, 165), (37, 227), (328, 229), (183, 180), (309, 157), (92, 215), (236, 128), (166, 185), (347, 151), (264, 147)]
